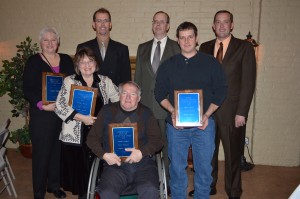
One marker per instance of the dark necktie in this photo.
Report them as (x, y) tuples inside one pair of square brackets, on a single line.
[(156, 57), (102, 50), (220, 53)]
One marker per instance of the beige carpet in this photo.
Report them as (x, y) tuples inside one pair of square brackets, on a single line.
[(263, 182)]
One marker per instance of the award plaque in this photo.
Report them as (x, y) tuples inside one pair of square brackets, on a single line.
[(51, 85), (188, 107), (122, 136), (83, 99)]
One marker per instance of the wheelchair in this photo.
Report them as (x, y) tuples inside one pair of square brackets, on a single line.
[(96, 170)]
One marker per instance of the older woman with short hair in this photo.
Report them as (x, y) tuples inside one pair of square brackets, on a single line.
[(44, 124), (76, 156)]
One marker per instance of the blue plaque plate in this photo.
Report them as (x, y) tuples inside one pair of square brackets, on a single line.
[(188, 108), (83, 99), (122, 136), (52, 83)]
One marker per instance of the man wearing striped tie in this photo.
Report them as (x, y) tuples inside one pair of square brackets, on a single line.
[(149, 56)]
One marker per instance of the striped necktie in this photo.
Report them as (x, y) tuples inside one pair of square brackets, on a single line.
[(156, 57)]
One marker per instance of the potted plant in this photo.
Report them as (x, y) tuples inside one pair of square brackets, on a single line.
[(11, 83), (22, 137)]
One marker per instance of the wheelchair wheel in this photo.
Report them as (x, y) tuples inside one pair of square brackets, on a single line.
[(94, 176)]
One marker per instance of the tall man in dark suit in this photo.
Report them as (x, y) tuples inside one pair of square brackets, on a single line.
[(145, 74), (239, 64), (112, 56)]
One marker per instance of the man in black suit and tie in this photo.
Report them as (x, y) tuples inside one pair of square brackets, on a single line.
[(112, 56), (238, 59), (147, 65)]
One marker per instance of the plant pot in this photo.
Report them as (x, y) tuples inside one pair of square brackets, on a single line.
[(26, 150)]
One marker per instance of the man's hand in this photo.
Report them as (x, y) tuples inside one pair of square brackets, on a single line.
[(204, 122), (174, 120), (135, 156), (239, 121), (112, 159)]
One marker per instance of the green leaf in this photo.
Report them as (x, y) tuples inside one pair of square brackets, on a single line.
[(11, 76), (11, 83)]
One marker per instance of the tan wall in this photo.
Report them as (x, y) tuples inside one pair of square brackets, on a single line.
[(272, 126)]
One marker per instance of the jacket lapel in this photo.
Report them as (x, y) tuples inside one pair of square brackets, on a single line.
[(96, 49), (211, 47), (167, 52), (230, 50), (109, 51), (147, 56)]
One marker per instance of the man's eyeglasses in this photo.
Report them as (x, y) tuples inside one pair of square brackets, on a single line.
[(102, 21), (156, 22)]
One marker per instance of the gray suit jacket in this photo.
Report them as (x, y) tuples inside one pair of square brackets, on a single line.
[(239, 65), (145, 77)]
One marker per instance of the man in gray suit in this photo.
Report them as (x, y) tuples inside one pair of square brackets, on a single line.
[(145, 74)]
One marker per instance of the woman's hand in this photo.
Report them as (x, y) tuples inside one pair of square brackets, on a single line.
[(49, 107), (87, 120)]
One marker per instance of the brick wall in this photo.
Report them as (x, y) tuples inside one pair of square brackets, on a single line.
[(272, 126)]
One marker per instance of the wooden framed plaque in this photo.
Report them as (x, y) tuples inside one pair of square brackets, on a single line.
[(188, 107), (51, 85), (122, 136), (83, 99)]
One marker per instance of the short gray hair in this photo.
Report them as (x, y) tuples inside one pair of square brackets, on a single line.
[(46, 30), (132, 83)]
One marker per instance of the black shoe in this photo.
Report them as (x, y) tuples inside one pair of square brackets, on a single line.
[(58, 193), (169, 191), (246, 166), (234, 197), (213, 191), (82, 196)]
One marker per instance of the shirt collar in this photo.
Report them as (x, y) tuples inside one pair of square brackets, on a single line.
[(225, 42), (163, 41), (225, 45)]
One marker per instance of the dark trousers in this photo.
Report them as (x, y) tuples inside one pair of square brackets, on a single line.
[(45, 153), (140, 178), (231, 140)]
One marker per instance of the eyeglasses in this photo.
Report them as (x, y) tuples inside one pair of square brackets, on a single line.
[(82, 63), (124, 93), (156, 22), (102, 21)]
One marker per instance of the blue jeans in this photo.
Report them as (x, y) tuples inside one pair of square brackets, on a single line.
[(203, 145)]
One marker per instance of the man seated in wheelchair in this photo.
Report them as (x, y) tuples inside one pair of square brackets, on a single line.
[(137, 169)]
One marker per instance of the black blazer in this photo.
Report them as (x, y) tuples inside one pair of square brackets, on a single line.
[(46, 122), (32, 76), (116, 64)]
